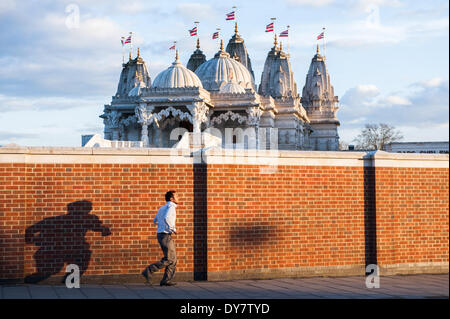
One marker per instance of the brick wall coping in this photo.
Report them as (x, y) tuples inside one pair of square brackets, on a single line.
[(216, 155)]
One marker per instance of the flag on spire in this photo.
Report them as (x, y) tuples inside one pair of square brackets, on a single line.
[(269, 27), (215, 35), (128, 40), (193, 32), (172, 47), (320, 36), (284, 34), (230, 16)]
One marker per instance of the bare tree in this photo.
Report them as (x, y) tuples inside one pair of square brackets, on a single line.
[(343, 146), (375, 136)]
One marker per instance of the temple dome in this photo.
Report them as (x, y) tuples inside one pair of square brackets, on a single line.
[(176, 76), (232, 87), (137, 90), (218, 71)]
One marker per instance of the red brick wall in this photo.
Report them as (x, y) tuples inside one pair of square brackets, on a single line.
[(125, 198), (232, 217), (412, 215), (297, 217)]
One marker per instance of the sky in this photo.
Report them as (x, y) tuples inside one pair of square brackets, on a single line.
[(61, 60)]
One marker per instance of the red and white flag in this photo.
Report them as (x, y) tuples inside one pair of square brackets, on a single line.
[(284, 34), (128, 40), (215, 35), (172, 47), (193, 31), (269, 27), (230, 16), (320, 36)]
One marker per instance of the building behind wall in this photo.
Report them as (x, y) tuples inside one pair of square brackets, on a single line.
[(417, 147), (220, 94)]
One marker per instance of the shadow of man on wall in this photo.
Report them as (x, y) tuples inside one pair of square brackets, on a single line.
[(61, 240)]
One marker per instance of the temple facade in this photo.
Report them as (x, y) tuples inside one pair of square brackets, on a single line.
[(220, 96)]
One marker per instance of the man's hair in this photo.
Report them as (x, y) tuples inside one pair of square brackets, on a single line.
[(169, 195)]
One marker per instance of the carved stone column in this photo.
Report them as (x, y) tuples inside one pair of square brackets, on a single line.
[(199, 112), (253, 118), (125, 126), (122, 130), (145, 118), (112, 120)]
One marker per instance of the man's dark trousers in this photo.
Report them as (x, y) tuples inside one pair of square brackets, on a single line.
[(170, 257)]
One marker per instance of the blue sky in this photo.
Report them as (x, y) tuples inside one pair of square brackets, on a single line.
[(388, 60)]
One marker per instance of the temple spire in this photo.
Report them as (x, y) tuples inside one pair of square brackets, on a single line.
[(176, 56), (139, 53), (198, 43), (235, 28), (131, 58), (221, 45), (275, 42), (317, 50)]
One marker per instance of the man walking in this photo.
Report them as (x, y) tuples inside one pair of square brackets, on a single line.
[(165, 219)]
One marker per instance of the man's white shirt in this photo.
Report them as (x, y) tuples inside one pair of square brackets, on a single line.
[(165, 218)]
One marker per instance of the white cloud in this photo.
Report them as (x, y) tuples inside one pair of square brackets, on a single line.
[(131, 6), (313, 3), (7, 6), (17, 103), (432, 83), (369, 5), (192, 12), (397, 100), (360, 96), (376, 26), (420, 111)]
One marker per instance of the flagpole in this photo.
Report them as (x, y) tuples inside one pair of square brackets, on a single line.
[(235, 13), (218, 36), (131, 44), (123, 50), (274, 31), (289, 35), (324, 46), (196, 25)]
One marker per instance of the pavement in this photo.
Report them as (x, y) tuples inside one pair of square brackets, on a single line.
[(411, 286)]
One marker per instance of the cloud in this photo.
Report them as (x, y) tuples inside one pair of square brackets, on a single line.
[(397, 100), (432, 83), (16, 103), (361, 95), (6, 6), (368, 23), (192, 12), (368, 6), (13, 136), (422, 105), (313, 3)]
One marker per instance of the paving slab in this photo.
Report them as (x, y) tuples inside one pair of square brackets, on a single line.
[(16, 292), (412, 286), (121, 292), (42, 292)]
